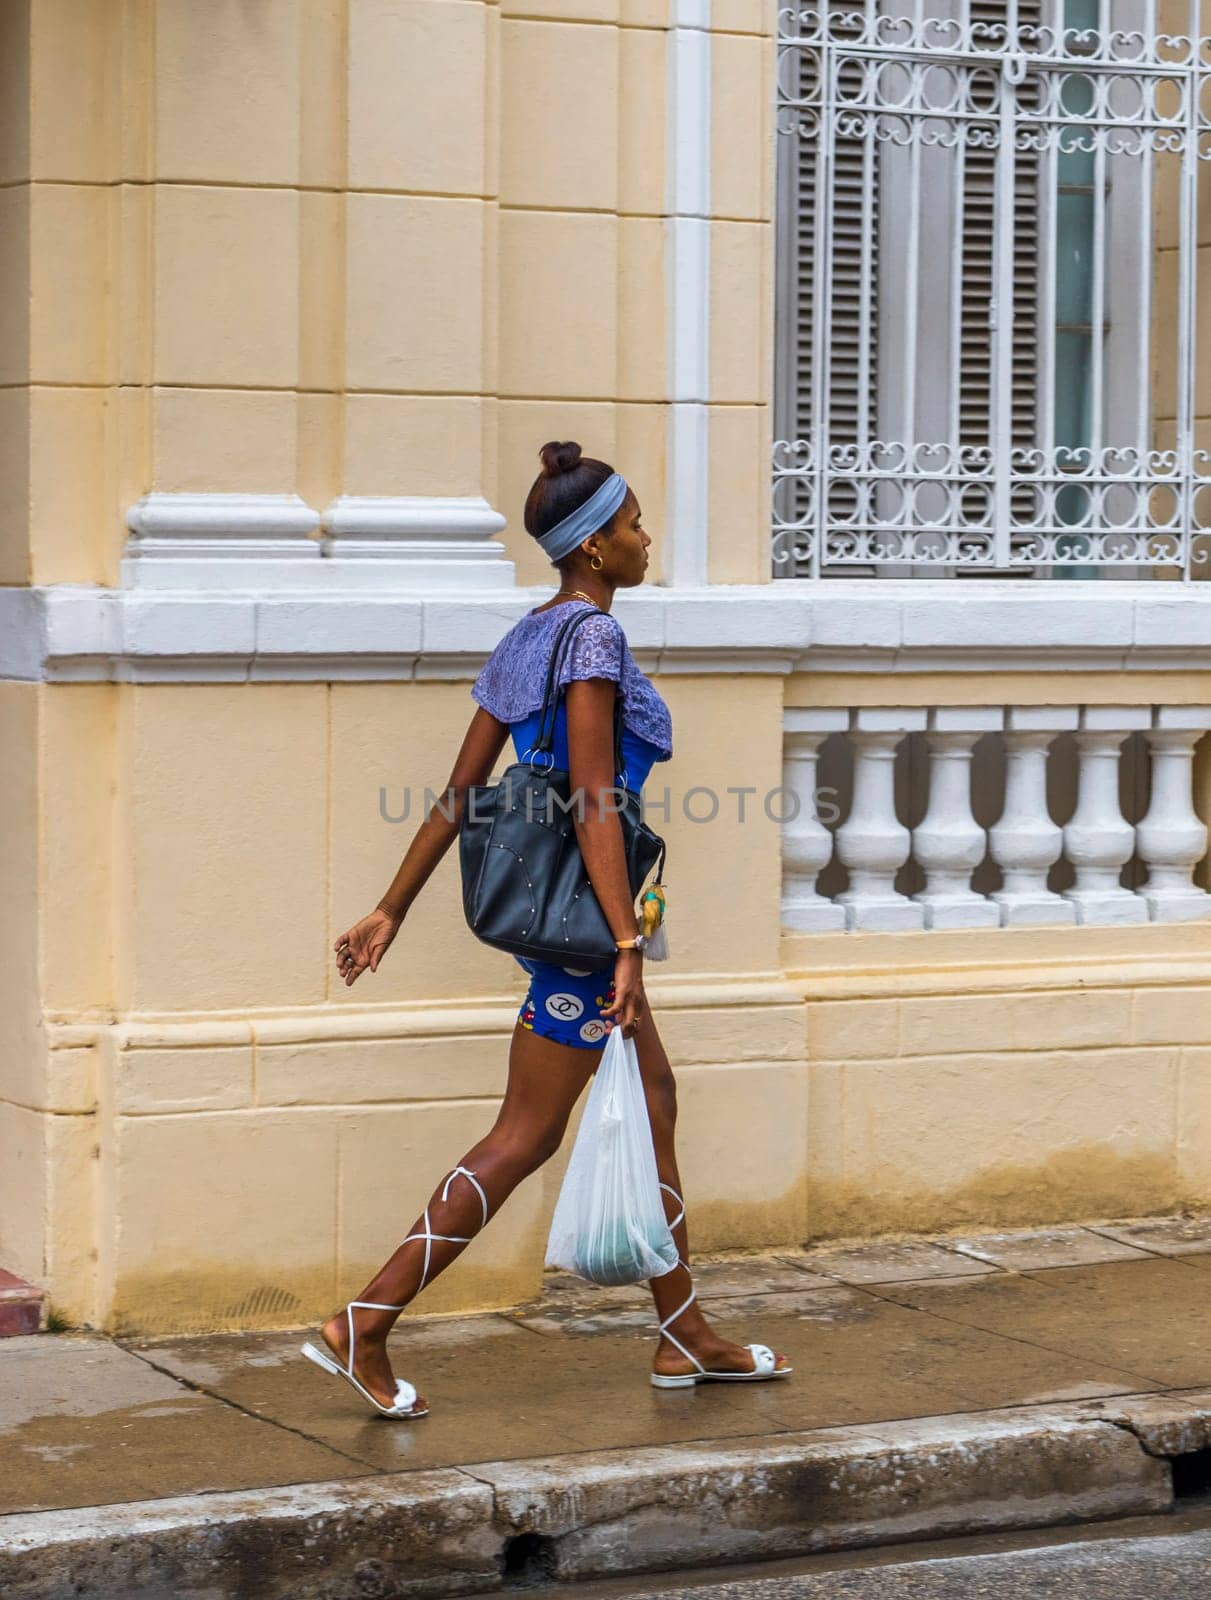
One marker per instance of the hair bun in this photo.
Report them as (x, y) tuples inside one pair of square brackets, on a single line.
[(559, 458)]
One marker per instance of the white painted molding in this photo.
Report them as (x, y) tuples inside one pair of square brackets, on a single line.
[(687, 276), (223, 517), (192, 542), (688, 174), (200, 543), (393, 518), (416, 543), (67, 631), (687, 495)]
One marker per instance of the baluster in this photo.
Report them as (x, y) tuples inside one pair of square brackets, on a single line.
[(872, 843), (1024, 841), (1098, 840), (1172, 838), (949, 843), (807, 845)]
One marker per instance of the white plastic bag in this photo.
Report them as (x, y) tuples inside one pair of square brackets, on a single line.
[(609, 1224)]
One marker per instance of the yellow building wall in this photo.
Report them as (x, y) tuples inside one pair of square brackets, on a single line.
[(389, 247), (210, 1128), (361, 246), (212, 1131)]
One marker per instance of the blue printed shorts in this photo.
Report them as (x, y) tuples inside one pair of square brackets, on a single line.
[(564, 1003)]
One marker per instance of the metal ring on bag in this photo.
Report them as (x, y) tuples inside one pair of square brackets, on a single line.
[(549, 753)]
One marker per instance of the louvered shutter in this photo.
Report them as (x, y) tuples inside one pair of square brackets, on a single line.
[(802, 258), (857, 198)]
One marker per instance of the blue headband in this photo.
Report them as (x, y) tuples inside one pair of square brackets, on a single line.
[(586, 519)]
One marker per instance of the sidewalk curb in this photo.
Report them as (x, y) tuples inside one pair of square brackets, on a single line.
[(492, 1525)]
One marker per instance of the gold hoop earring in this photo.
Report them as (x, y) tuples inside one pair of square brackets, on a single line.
[(596, 563)]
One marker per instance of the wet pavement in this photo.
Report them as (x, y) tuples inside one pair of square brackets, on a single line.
[(878, 1332)]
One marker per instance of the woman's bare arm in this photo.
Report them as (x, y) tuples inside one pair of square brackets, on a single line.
[(590, 707), (367, 941), (484, 740)]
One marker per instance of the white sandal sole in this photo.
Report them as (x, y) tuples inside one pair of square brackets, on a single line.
[(687, 1380), (763, 1356), (313, 1353)]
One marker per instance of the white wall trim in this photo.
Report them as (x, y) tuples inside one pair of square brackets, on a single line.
[(198, 543), (233, 517), (687, 265), (422, 543), (69, 632), (396, 518), (209, 541)]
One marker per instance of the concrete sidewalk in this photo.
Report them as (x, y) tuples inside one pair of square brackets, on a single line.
[(941, 1385)]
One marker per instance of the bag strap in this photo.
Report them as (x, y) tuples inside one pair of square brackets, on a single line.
[(546, 737), (564, 629)]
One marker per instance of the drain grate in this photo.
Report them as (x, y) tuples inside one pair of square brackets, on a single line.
[(1192, 1475), (527, 1558)]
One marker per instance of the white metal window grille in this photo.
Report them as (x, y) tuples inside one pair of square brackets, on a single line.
[(987, 290)]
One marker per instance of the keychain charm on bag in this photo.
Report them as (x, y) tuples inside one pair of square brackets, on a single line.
[(652, 908)]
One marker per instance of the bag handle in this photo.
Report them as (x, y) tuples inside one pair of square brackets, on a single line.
[(546, 738), (565, 627)]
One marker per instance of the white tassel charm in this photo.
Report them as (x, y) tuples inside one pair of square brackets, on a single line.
[(652, 909)]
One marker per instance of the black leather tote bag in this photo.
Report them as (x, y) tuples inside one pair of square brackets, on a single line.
[(525, 886)]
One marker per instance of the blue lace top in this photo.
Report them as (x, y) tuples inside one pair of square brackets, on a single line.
[(513, 678)]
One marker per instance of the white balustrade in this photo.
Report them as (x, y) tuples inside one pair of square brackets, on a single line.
[(1098, 839), (1171, 837), (807, 845), (1025, 843), (948, 843), (872, 843)]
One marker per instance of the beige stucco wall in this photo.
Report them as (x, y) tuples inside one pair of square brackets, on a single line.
[(361, 246), (208, 1129), (207, 1126), (388, 247)]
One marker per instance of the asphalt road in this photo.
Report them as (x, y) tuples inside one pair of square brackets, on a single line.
[(1157, 1559)]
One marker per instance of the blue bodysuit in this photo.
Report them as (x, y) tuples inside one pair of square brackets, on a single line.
[(565, 1003)]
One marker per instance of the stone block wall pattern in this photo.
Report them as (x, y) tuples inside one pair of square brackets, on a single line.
[(294, 292), (433, 218)]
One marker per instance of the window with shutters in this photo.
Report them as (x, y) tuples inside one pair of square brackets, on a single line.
[(987, 290)]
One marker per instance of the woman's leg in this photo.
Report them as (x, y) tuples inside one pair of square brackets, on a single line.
[(672, 1290), (545, 1081)]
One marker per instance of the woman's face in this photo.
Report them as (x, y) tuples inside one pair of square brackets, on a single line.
[(626, 551)]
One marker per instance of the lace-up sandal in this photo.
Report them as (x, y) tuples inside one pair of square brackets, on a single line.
[(404, 1404), (405, 1395), (765, 1362)]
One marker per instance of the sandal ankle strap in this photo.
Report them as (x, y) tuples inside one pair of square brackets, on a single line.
[(369, 1305), (672, 1337), (681, 1262), (431, 1238), (668, 1189)]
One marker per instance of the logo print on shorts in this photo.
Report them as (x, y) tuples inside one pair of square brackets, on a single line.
[(578, 972), (593, 1029), (567, 1007)]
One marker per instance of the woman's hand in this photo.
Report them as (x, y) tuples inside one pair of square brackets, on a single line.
[(629, 1002), (365, 944)]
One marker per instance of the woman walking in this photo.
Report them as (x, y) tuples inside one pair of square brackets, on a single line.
[(587, 521)]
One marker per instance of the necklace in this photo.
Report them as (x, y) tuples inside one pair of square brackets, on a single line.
[(578, 592)]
